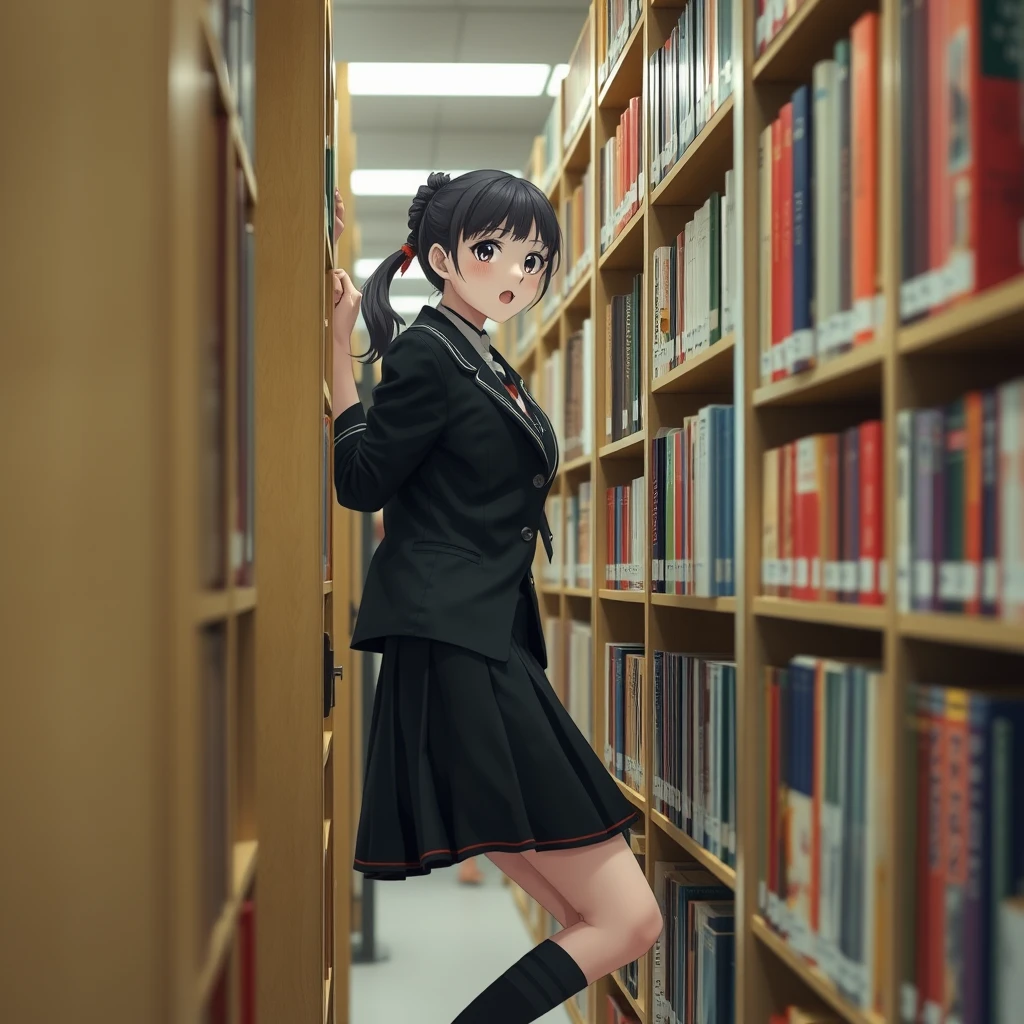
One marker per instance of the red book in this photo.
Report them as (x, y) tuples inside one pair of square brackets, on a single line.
[(786, 285), (985, 186), (679, 441), (778, 363), (787, 494), (870, 547), (806, 506), (247, 964), (864, 68), (830, 530), (935, 843)]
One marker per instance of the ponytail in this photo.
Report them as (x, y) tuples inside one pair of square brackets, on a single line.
[(380, 318)]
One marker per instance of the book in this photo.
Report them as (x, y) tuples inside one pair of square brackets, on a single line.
[(623, 688)]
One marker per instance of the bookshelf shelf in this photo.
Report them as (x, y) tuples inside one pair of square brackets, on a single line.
[(634, 1004), (702, 167), (328, 250), (217, 951), (725, 874), (550, 328), (806, 38), (708, 372), (631, 446), (992, 320), (328, 991), (578, 592), (215, 55), (578, 298), (574, 1014), (212, 606), (856, 374), (328, 587), (327, 395), (244, 160), (815, 979), (963, 631), (828, 613), (626, 251), (246, 856), (245, 599), (625, 596), (576, 155), (723, 605), (626, 75), (638, 800), (328, 741), (579, 465)]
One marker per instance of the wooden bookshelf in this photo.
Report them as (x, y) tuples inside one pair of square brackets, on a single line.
[(132, 840), (303, 791), (975, 343)]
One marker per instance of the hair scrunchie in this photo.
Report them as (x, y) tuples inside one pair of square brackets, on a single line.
[(410, 253)]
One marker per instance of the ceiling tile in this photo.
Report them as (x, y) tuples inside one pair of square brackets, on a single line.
[(370, 33), (519, 35), (396, 114), (465, 114)]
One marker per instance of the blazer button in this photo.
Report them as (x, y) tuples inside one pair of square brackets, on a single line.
[(539, 481), (526, 533)]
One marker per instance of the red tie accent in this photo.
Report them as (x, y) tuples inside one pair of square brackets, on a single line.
[(512, 390)]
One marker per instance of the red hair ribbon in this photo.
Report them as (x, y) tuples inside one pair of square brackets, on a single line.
[(410, 252)]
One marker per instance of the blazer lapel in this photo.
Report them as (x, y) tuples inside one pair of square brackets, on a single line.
[(470, 361)]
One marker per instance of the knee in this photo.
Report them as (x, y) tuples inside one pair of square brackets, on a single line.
[(644, 925)]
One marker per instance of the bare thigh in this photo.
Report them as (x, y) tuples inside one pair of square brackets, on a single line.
[(620, 919), (528, 878)]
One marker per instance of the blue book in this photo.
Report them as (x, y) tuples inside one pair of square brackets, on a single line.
[(803, 253)]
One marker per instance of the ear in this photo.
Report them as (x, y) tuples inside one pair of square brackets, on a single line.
[(440, 262)]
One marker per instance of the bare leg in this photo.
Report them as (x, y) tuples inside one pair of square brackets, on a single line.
[(469, 872), (528, 878), (619, 915)]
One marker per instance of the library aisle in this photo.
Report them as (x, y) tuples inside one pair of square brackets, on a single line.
[(441, 939)]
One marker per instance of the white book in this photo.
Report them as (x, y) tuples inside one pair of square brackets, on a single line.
[(728, 255), (1011, 504), (588, 387)]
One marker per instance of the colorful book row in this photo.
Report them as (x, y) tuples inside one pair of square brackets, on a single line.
[(693, 520), (823, 535), (694, 748), (622, 189), (623, 702), (627, 515), (960, 506), (623, 391)]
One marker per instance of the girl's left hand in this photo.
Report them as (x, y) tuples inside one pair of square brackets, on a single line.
[(339, 215)]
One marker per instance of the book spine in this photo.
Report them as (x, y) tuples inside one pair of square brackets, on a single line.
[(864, 67), (802, 345), (871, 508), (990, 503)]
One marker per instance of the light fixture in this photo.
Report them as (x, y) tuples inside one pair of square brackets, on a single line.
[(400, 79), (558, 73), (393, 182)]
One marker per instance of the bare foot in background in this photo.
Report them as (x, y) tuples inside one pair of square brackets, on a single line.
[(470, 873)]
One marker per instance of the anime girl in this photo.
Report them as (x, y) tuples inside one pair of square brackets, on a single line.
[(470, 750)]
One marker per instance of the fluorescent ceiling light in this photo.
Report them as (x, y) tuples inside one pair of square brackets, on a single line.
[(558, 73), (398, 79), (391, 182)]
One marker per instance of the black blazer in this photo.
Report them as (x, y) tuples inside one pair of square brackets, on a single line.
[(462, 475)]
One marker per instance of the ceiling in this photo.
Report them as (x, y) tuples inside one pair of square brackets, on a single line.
[(445, 133)]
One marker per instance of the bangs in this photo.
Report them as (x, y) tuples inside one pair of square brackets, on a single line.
[(510, 206)]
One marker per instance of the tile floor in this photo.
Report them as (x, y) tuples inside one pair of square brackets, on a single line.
[(445, 943)]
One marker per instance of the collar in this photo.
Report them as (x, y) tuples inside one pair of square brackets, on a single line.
[(478, 339)]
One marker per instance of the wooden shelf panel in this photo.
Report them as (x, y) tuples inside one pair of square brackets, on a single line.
[(578, 297), (708, 372), (724, 605), (963, 631), (244, 868), (830, 613), (328, 739), (626, 76), (701, 168), (629, 596), (856, 374), (577, 465), (811, 976), (725, 874), (328, 587), (635, 798), (990, 321), (636, 1006), (631, 446), (577, 154), (328, 989), (808, 36), (626, 251), (580, 592)]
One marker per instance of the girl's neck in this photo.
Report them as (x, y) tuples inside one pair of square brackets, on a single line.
[(450, 298)]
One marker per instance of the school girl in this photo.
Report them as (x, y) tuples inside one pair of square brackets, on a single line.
[(470, 750)]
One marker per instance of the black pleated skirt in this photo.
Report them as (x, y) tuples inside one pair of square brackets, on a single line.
[(469, 756)]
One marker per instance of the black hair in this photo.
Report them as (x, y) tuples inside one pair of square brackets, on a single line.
[(445, 211)]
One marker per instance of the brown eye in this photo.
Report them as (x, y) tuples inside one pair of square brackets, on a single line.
[(484, 251), (534, 263)]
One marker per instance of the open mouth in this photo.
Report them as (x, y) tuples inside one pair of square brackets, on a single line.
[(507, 296)]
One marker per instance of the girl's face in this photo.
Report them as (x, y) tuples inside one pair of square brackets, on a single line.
[(498, 276)]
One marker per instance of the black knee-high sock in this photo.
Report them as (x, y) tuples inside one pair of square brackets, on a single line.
[(544, 978)]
